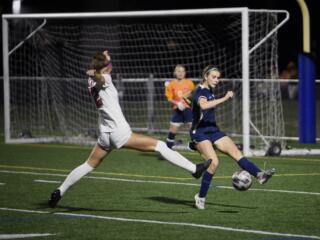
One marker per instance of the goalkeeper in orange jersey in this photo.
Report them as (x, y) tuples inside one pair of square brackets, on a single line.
[(178, 91)]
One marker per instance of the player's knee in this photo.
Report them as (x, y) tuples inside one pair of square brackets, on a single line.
[(94, 161), (236, 154), (214, 165)]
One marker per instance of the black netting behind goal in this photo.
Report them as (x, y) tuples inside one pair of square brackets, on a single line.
[(48, 85)]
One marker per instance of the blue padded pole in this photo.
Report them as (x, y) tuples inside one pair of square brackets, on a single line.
[(307, 99)]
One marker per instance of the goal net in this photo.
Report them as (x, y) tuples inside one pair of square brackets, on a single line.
[(46, 56)]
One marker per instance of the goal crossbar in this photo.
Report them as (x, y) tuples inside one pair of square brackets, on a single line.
[(155, 13)]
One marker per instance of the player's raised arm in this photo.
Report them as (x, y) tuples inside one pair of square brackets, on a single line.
[(96, 76), (101, 64), (205, 104), (108, 68)]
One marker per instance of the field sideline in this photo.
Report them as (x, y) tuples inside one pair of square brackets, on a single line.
[(135, 195)]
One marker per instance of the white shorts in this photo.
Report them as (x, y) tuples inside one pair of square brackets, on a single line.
[(115, 139)]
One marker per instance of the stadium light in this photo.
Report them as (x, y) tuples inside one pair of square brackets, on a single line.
[(16, 6)]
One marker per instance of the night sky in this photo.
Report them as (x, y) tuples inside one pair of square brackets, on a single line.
[(290, 35)]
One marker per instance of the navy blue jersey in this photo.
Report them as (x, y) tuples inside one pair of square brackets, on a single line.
[(203, 118)]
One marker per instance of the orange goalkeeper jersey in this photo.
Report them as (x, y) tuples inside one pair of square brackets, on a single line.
[(176, 90)]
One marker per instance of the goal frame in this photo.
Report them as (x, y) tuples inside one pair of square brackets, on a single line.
[(246, 51)]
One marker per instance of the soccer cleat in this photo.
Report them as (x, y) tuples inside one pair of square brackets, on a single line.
[(55, 198), (199, 202), (264, 176), (200, 168)]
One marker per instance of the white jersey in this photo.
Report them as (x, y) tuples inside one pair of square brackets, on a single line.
[(107, 102)]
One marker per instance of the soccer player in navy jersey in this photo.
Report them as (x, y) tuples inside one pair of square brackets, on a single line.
[(205, 132)]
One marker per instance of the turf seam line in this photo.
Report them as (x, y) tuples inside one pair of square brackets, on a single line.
[(99, 172)]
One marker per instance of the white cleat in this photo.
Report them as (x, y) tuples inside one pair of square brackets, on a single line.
[(264, 176), (199, 202)]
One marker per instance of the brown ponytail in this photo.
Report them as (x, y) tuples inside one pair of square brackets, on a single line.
[(99, 61)]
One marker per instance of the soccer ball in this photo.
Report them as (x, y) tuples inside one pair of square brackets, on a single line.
[(241, 180)]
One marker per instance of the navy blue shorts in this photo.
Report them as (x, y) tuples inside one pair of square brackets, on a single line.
[(201, 134), (180, 117)]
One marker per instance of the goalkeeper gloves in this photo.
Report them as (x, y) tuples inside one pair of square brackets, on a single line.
[(181, 106)]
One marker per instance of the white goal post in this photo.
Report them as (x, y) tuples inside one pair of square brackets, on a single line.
[(255, 61)]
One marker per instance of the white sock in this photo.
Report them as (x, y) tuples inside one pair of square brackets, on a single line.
[(175, 157), (75, 176)]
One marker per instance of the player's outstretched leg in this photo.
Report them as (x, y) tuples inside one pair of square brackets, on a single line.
[(145, 143), (177, 159), (201, 168), (226, 145), (76, 174), (262, 176)]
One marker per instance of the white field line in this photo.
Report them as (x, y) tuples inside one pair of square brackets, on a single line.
[(101, 178), (157, 182), (1, 184), (28, 235), (22, 210), (45, 181), (183, 224)]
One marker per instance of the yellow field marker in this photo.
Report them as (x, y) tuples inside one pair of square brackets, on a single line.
[(296, 174), (95, 172)]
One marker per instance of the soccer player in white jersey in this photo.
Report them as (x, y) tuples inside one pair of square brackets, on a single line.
[(115, 132)]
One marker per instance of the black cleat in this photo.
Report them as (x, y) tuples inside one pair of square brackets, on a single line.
[(55, 198), (201, 168)]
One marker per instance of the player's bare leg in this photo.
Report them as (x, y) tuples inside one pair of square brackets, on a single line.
[(145, 143), (227, 146), (207, 152), (95, 158)]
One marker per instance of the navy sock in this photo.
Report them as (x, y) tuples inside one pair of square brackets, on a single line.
[(205, 184), (250, 167), (170, 139)]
